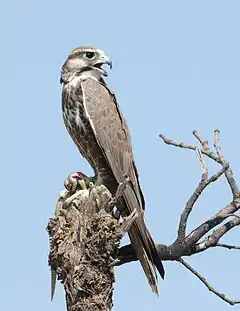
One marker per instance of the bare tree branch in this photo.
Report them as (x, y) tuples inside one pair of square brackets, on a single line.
[(203, 142), (228, 246), (85, 236), (207, 151), (217, 234), (194, 242), (229, 173), (203, 163), (190, 204), (204, 281), (210, 154)]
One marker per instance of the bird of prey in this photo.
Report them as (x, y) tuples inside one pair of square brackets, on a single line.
[(95, 123)]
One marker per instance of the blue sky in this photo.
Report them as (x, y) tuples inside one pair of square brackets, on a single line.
[(176, 67)]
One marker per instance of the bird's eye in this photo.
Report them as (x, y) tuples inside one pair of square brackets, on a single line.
[(90, 55)]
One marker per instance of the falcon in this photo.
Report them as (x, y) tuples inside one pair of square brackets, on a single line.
[(94, 121)]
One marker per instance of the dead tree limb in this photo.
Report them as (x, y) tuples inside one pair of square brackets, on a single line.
[(205, 282), (85, 237), (196, 241), (84, 247)]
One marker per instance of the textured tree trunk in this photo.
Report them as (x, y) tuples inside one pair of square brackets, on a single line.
[(84, 244)]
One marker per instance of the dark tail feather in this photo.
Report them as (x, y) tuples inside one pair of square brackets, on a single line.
[(159, 266), (154, 255)]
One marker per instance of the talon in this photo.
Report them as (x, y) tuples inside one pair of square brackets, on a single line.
[(119, 193)]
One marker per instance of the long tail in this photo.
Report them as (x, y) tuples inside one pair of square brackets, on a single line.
[(142, 241)]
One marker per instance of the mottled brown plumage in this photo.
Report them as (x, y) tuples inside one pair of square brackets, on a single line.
[(98, 128)]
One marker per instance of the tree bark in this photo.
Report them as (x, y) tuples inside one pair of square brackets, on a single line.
[(84, 241)]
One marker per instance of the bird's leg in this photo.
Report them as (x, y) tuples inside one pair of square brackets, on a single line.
[(121, 187), (114, 205), (124, 227)]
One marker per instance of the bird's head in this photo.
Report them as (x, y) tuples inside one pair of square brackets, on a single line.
[(85, 61)]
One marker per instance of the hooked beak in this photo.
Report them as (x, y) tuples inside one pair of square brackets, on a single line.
[(109, 63), (103, 61)]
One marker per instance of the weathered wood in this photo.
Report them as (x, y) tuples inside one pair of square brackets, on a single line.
[(84, 247)]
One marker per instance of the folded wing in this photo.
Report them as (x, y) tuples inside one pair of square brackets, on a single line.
[(113, 137)]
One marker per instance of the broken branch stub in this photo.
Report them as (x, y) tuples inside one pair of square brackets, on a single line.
[(84, 246)]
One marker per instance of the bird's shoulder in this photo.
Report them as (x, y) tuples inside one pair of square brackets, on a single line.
[(104, 108), (102, 97)]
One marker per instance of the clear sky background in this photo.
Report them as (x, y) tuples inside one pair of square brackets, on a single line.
[(176, 67)]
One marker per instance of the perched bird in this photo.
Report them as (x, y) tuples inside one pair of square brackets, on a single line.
[(94, 121)]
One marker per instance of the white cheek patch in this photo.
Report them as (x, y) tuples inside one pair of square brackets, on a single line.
[(75, 63)]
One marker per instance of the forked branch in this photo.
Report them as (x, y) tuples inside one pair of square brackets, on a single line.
[(196, 241), (85, 237)]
